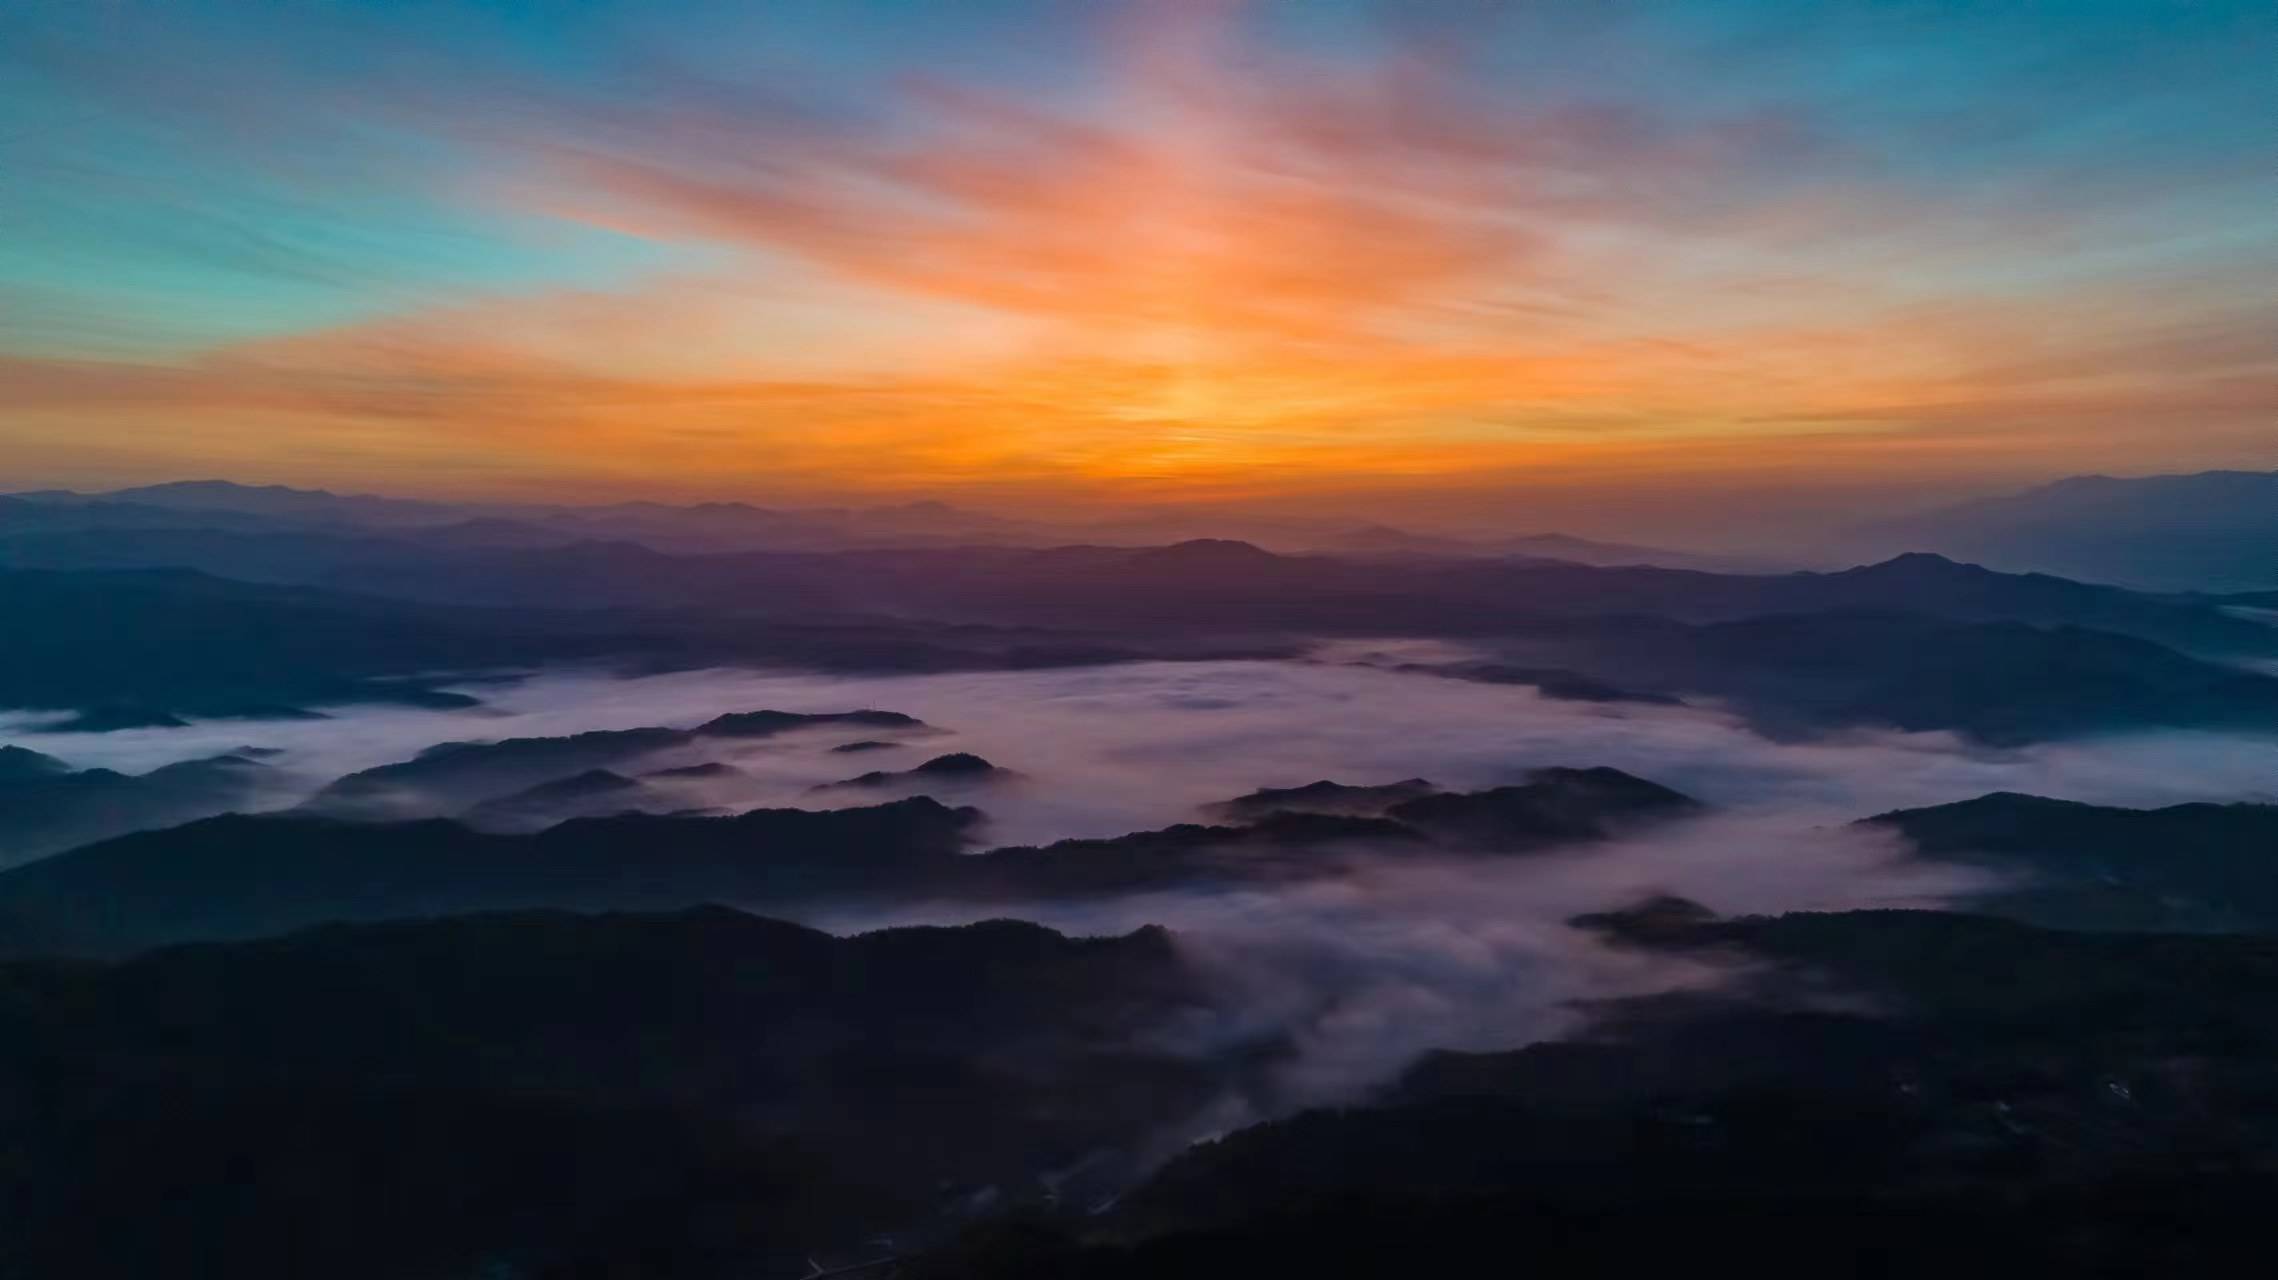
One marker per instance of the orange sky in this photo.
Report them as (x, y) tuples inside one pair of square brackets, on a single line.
[(1219, 272)]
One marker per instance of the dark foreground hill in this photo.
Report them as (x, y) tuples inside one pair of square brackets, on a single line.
[(1979, 1096), (710, 1095), (698, 1094)]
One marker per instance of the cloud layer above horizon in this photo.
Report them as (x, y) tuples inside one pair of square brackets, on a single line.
[(1180, 249)]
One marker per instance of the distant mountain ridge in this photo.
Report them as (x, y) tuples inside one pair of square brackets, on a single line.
[(372, 612), (36, 519), (143, 645), (1070, 584), (2214, 530)]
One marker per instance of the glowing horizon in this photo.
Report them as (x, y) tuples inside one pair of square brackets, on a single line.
[(1191, 251)]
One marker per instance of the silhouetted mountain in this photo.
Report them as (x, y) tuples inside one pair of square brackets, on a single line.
[(708, 769), (861, 745), (766, 724), (2001, 682), (710, 527), (2187, 866), (163, 642), (1222, 585), (1553, 806), (1590, 551), (141, 646), (46, 805), (137, 646), (451, 776), (736, 526), (1383, 540), (1556, 807), (248, 549), (1215, 586), (63, 520), (244, 876), (1275, 847), (279, 500), (1917, 642), (1927, 585), (205, 505), (959, 767), (591, 794), (1325, 797), (19, 764), (2214, 531), (698, 1094)]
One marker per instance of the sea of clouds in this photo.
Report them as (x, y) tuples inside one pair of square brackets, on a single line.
[(1106, 750), (1364, 970)]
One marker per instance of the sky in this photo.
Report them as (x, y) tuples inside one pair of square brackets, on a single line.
[(1435, 255)]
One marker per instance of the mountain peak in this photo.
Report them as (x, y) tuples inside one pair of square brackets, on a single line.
[(218, 488), (1213, 551), (23, 762), (1918, 564), (956, 762)]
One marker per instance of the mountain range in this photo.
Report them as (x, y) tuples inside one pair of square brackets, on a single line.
[(463, 999), (238, 875), (1917, 642), (199, 505), (2213, 531)]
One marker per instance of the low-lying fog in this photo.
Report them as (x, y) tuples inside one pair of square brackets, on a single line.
[(1366, 971), (1107, 750), (1363, 971)]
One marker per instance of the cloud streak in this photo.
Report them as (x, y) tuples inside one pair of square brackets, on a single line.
[(1222, 263)]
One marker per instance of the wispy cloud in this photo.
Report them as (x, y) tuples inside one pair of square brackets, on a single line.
[(1219, 262)]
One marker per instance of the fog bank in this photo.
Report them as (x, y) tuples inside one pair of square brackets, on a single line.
[(1107, 750)]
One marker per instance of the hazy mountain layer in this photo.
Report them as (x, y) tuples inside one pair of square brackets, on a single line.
[(2214, 531)]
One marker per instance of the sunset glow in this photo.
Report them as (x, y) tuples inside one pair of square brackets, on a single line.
[(1165, 251)]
